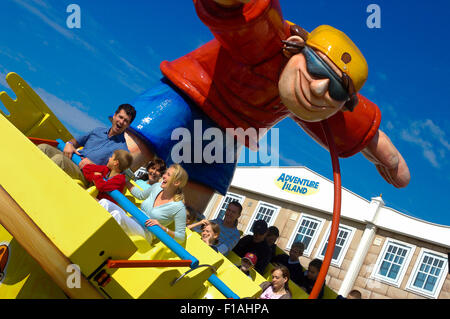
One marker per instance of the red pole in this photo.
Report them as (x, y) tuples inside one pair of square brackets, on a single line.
[(147, 263), (336, 213)]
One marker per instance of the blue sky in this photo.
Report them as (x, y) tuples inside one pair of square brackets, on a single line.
[(83, 74)]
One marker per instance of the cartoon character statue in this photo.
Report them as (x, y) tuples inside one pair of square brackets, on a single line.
[(258, 70)]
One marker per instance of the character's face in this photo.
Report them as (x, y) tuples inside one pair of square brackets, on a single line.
[(120, 122), (153, 174), (278, 280), (306, 95)]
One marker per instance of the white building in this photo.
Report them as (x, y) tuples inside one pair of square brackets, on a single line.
[(379, 251)]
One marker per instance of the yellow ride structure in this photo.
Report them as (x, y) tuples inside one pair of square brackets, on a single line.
[(57, 239)]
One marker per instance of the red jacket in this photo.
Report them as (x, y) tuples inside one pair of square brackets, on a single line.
[(116, 182), (234, 77)]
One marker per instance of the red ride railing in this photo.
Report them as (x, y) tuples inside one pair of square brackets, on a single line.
[(336, 213)]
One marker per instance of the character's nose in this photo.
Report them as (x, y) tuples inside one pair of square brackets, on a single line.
[(319, 87)]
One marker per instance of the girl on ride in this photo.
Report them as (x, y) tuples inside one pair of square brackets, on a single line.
[(210, 234)]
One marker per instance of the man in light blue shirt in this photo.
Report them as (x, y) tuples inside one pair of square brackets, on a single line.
[(98, 145)]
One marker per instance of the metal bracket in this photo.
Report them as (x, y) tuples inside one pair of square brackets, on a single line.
[(182, 276)]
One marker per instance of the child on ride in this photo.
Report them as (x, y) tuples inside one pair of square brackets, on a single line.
[(119, 161), (210, 234)]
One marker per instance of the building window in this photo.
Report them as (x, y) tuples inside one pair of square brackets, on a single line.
[(229, 197), (393, 262), (344, 237), (428, 274), (265, 211), (307, 231)]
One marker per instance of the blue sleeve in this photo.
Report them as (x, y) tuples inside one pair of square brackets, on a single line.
[(142, 194), (223, 249), (227, 246), (180, 224), (82, 139)]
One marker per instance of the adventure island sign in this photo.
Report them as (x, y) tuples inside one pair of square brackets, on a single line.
[(297, 185)]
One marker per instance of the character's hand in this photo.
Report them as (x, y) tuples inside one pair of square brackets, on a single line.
[(152, 222), (85, 161), (97, 173), (388, 160)]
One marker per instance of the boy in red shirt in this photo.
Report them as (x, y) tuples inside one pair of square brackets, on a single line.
[(119, 161)]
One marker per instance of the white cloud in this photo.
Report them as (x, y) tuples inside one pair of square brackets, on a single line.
[(289, 161), (389, 125), (68, 113), (133, 67), (431, 157), (437, 132), (430, 138), (3, 80)]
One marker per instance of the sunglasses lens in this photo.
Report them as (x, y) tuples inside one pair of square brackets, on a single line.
[(319, 69), (337, 92)]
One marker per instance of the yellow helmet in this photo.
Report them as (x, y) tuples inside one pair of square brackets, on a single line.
[(342, 51)]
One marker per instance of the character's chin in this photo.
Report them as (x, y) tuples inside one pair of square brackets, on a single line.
[(308, 114)]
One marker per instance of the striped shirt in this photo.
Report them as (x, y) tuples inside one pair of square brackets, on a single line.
[(228, 237)]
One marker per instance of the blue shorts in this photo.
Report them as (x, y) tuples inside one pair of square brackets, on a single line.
[(163, 109)]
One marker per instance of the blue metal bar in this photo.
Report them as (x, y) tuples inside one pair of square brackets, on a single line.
[(219, 284), (126, 204)]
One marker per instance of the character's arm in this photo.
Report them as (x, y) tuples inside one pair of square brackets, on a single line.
[(250, 31), (358, 131), (388, 160)]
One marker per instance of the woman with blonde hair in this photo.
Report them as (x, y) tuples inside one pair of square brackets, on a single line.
[(163, 204)]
